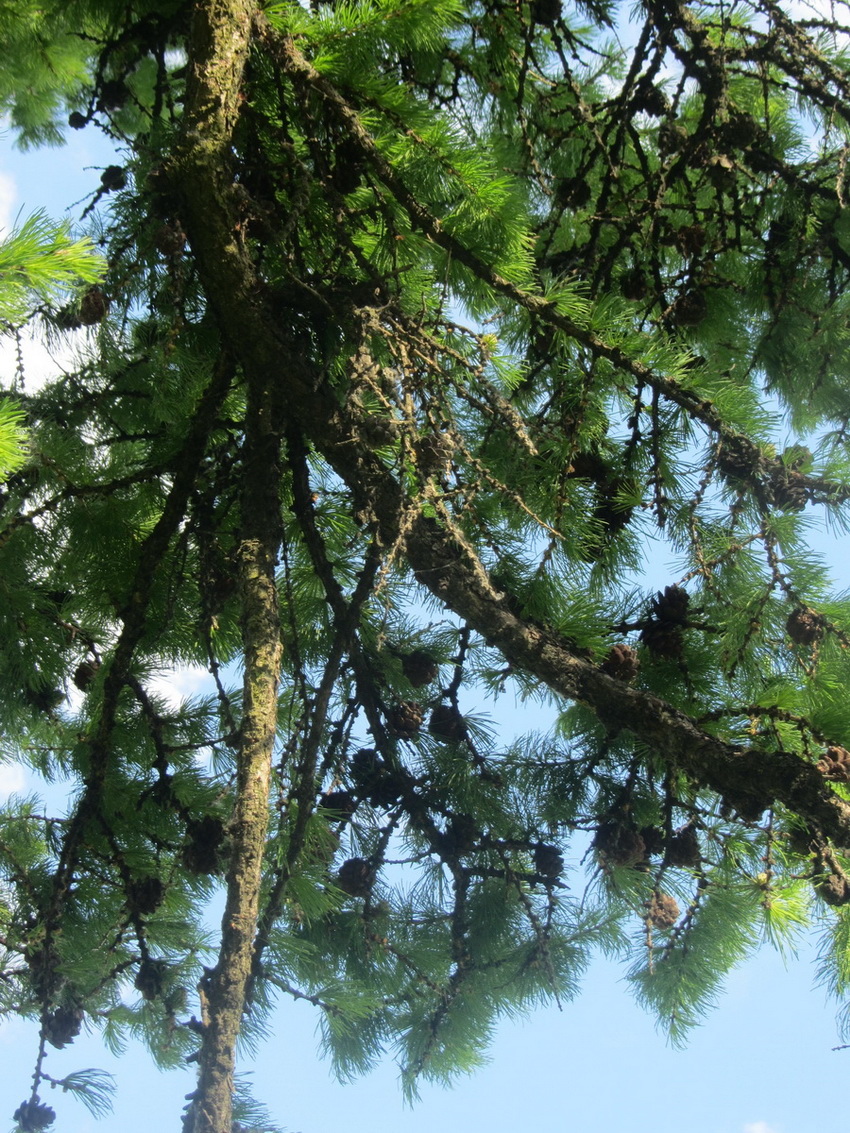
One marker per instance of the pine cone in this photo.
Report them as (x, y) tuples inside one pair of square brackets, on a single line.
[(653, 839), (740, 131), (63, 1025), (145, 895), (112, 178), (622, 663), (446, 723), (835, 764), (461, 835), (32, 1116), (389, 787), (663, 910), (738, 459), (805, 626), (202, 852), (433, 454), (150, 978), (112, 94), (683, 848), (788, 491), (419, 668), (343, 803), (85, 673), (672, 605), (546, 12), (650, 99), (93, 307), (548, 861), (356, 877), (366, 769), (689, 310), (662, 640), (620, 843), (405, 720)]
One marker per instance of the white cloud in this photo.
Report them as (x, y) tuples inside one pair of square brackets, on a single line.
[(13, 780), (175, 685), (40, 363), (8, 197), (759, 1127)]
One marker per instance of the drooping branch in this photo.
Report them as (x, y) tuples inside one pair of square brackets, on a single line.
[(442, 560)]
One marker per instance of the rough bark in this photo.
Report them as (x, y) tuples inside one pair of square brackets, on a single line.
[(218, 50)]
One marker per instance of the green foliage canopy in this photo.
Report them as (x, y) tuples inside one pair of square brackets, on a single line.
[(420, 323)]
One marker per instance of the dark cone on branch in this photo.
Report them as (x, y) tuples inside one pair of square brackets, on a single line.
[(622, 663), (145, 895), (202, 852), (835, 764), (366, 769), (662, 632), (620, 844), (663, 910), (650, 99), (684, 849), (150, 978), (446, 723), (738, 459), (548, 861), (112, 94), (653, 839), (356, 877), (546, 11), (689, 310), (389, 788), (804, 626), (63, 1025), (672, 605), (663, 641), (405, 720), (433, 454), (342, 802), (32, 1116), (113, 178), (93, 307), (789, 491), (85, 673), (461, 835), (419, 668), (740, 131)]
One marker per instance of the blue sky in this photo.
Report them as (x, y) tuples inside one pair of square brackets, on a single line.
[(762, 1062)]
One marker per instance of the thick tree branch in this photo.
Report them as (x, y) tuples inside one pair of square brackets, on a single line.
[(441, 558), (218, 51)]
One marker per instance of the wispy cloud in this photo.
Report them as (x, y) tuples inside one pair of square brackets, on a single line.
[(13, 780), (759, 1127), (8, 197)]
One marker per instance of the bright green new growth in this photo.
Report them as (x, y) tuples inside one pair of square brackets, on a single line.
[(40, 263)]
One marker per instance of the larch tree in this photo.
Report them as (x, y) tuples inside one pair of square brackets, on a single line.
[(420, 321)]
